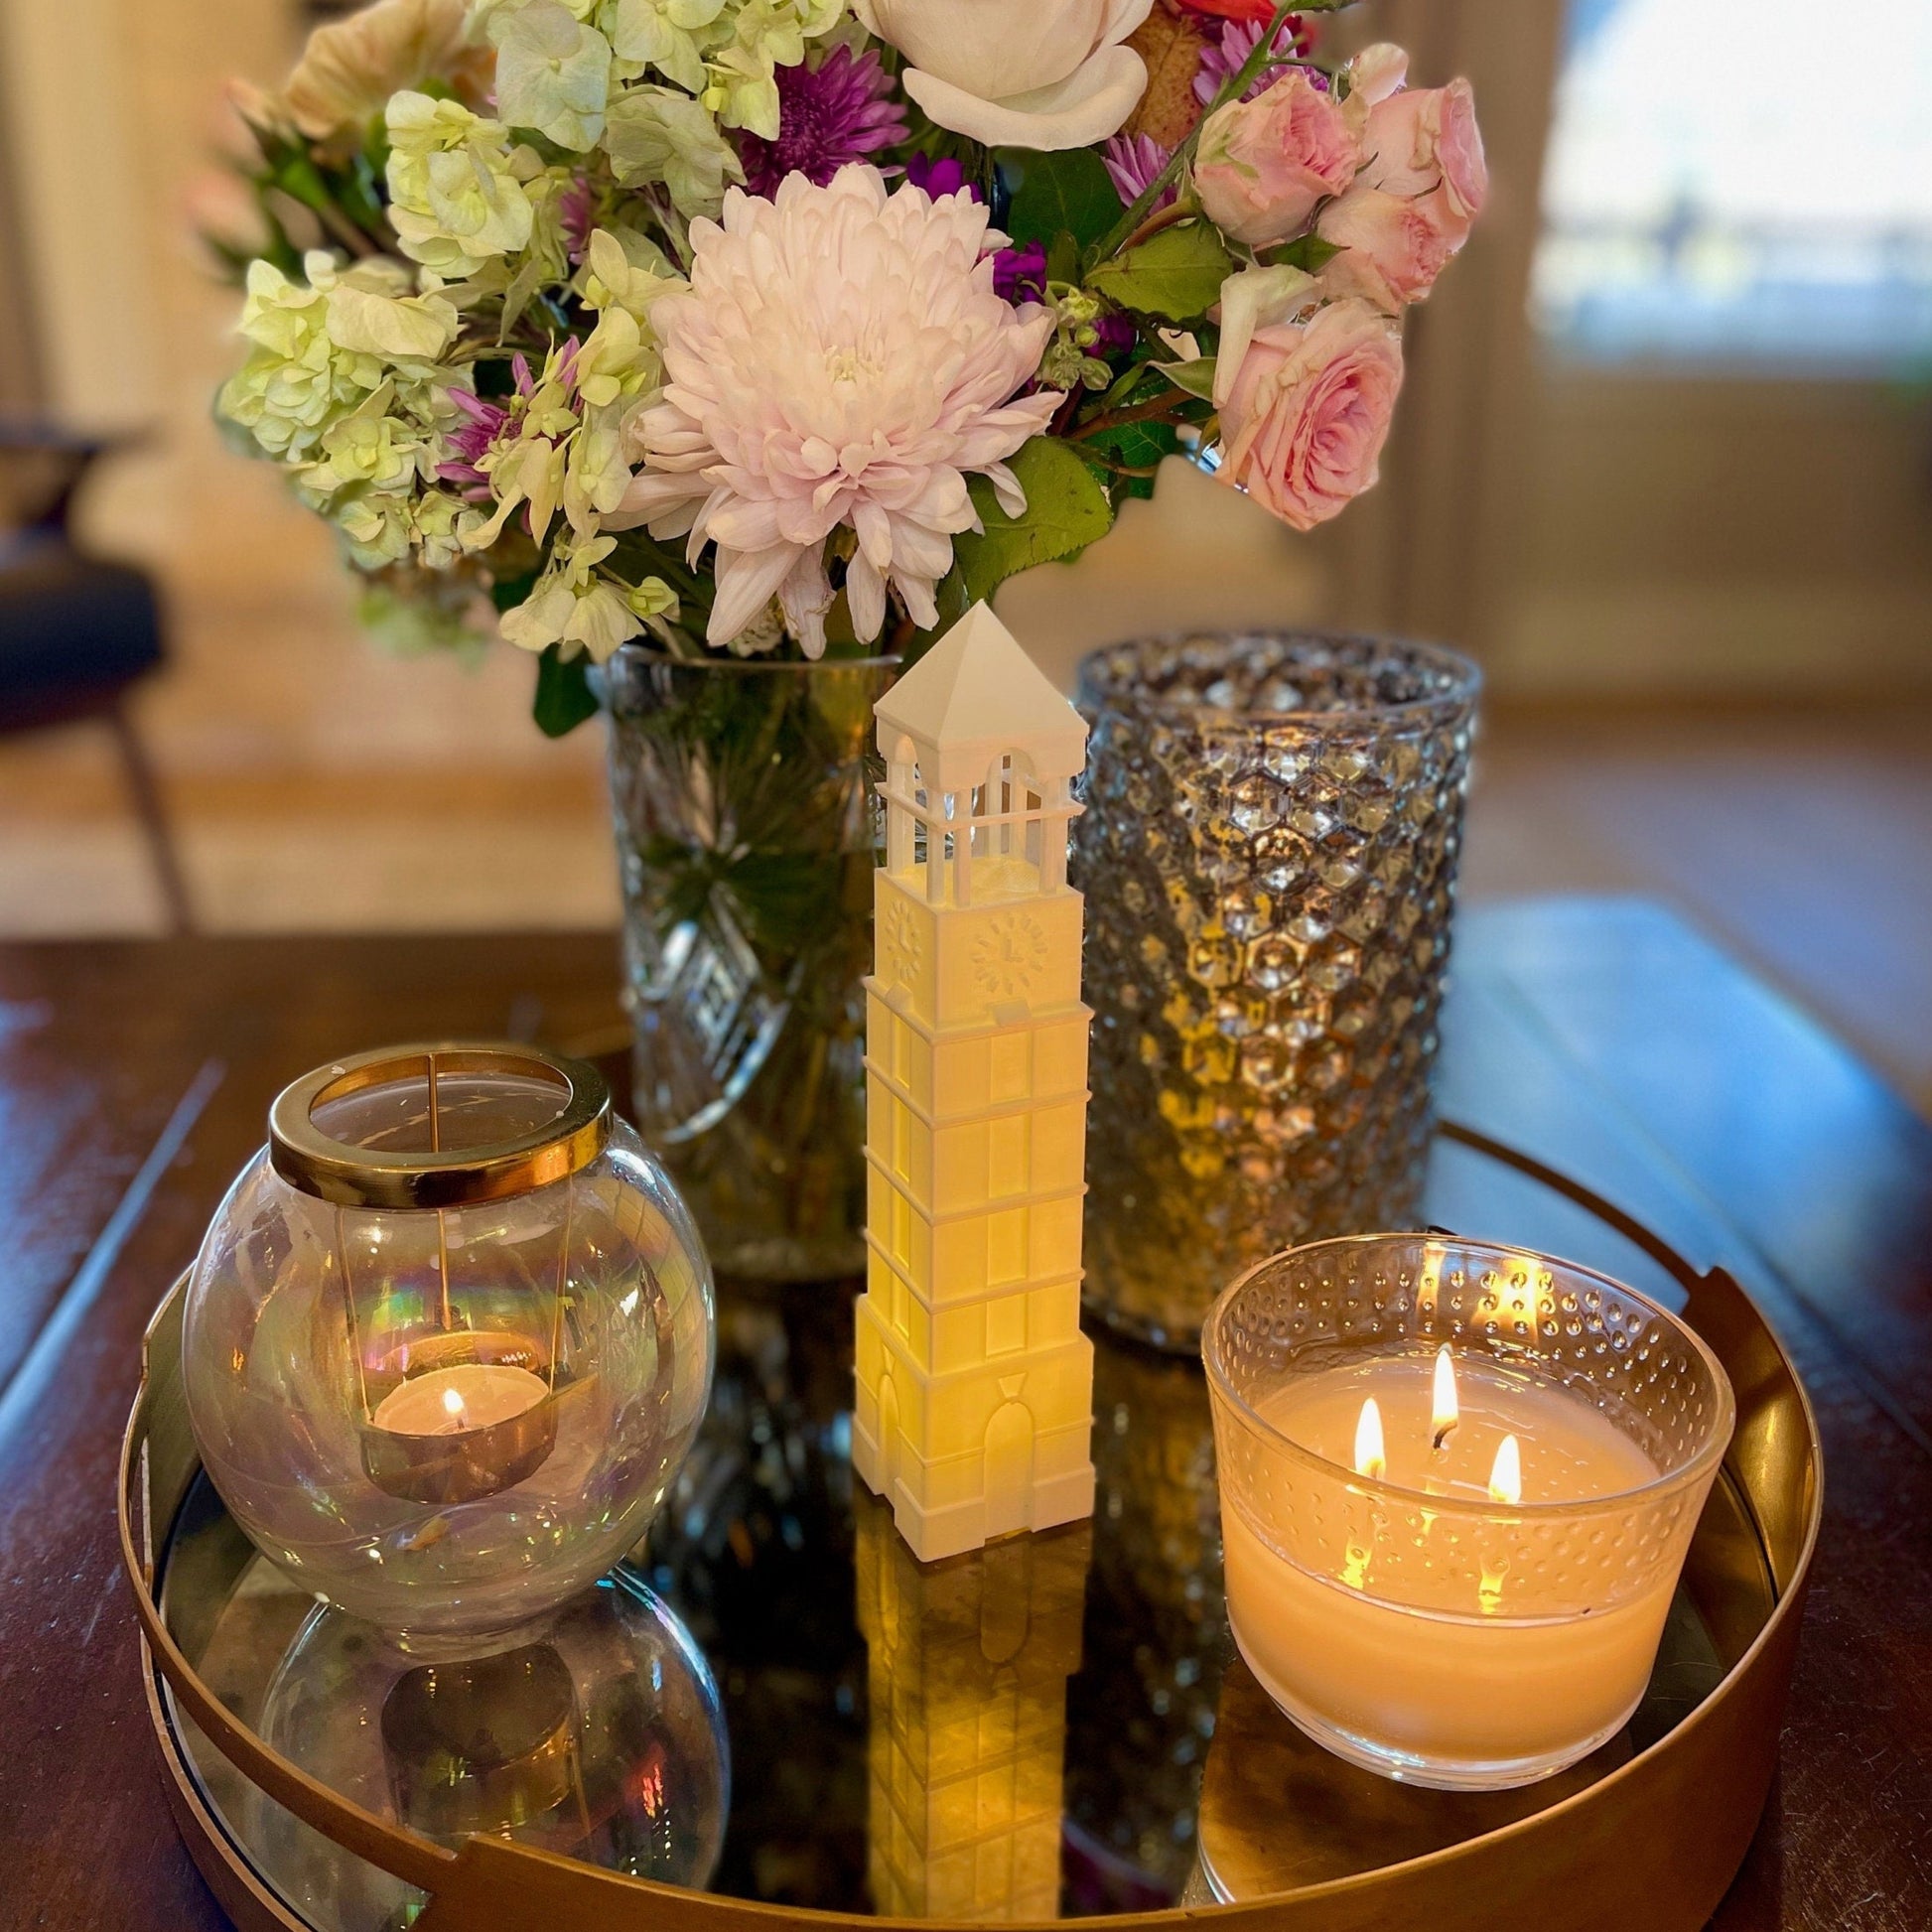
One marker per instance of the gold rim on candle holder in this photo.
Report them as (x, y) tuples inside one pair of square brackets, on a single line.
[(313, 1160)]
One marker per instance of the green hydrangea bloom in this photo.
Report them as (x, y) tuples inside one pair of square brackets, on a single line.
[(672, 36), (578, 609), (317, 349), (656, 134), (553, 73), (625, 270), (740, 77), (456, 185)]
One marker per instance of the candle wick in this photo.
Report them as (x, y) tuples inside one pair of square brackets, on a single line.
[(1442, 1435)]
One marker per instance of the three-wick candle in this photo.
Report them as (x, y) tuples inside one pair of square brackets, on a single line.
[(1451, 1559)]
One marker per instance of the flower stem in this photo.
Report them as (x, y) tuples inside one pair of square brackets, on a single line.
[(1127, 228), (1170, 409)]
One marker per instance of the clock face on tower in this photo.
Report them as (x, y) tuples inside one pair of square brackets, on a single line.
[(1010, 956), (901, 945)]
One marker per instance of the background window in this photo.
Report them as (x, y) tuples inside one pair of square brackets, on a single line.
[(1741, 180)]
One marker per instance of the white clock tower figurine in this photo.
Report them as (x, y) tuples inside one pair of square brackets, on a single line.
[(975, 1385)]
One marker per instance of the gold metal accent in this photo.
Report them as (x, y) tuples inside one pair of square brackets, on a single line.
[(1654, 1844), (315, 1162)]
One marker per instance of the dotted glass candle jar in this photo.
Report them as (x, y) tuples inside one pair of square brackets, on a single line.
[(448, 1338), (1458, 1485), (1269, 857)]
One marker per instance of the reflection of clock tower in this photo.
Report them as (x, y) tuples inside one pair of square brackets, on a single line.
[(975, 1387)]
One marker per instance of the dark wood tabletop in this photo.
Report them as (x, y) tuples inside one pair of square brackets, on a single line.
[(1606, 1038)]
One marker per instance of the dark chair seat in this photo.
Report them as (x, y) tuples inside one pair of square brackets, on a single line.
[(74, 630)]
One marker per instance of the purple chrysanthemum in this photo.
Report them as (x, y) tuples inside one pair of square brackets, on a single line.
[(1134, 161), (1220, 64), (837, 112)]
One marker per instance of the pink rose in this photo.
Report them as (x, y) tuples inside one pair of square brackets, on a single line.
[(1304, 423), (1393, 248), (1412, 206), (1422, 138), (1263, 164)]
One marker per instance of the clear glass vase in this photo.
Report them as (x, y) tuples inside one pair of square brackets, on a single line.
[(1269, 860), (745, 827)]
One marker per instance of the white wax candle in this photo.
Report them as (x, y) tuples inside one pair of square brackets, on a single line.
[(453, 1401), (1510, 1677)]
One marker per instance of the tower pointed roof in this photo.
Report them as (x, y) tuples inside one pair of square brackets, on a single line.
[(975, 695)]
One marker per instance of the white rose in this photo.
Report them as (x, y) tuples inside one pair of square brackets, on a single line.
[(1044, 75)]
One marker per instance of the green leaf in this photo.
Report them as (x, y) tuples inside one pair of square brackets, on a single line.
[(564, 697), (1063, 259), (1069, 192), (1066, 509), (1196, 377), (1136, 446), (1308, 251), (1176, 274)]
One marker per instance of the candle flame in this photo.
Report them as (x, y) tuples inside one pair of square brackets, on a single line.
[(1371, 1459), (1446, 1413), (453, 1401), (1506, 1476)]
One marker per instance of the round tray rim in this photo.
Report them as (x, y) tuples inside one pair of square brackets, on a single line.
[(494, 1885)]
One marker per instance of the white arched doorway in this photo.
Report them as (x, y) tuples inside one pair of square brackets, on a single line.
[(1007, 1468)]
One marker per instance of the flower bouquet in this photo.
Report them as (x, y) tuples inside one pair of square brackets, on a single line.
[(763, 338)]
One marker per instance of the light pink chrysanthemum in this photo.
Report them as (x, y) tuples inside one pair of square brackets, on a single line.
[(840, 357)]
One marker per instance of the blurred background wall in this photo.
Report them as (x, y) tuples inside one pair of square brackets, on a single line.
[(1664, 463)]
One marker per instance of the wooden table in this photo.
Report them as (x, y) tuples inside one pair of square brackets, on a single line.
[(1603, 1036)]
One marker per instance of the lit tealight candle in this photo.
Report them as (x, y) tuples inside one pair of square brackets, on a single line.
[(447, 1401), (454, 1435)]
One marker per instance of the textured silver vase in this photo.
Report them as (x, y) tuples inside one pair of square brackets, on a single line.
[(1269, 859)]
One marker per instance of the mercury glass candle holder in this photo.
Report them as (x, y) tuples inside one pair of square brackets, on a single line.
[(1458, 1485), (447, 1338), (1269, 857)]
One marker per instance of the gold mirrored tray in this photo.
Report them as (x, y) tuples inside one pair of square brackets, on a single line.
[(772, 1712)]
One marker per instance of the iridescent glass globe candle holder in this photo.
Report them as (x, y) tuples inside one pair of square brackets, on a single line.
[(1458, 1485), (1269, 857), (448, 1338)]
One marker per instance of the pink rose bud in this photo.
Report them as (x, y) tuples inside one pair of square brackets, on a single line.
[(1304, 426), (1376, 73), (1262, 165)]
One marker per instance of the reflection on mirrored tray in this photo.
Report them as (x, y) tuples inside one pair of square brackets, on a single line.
[(599, 1737), (1050, 1724)]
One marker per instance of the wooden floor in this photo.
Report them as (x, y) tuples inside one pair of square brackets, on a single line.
[(318, 784)]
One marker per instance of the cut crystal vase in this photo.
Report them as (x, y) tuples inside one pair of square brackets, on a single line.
[(746, 841)]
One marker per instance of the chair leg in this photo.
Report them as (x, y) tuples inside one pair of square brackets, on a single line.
[(146, 793)]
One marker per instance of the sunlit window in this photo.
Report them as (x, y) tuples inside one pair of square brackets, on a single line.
[(1741, 180)]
